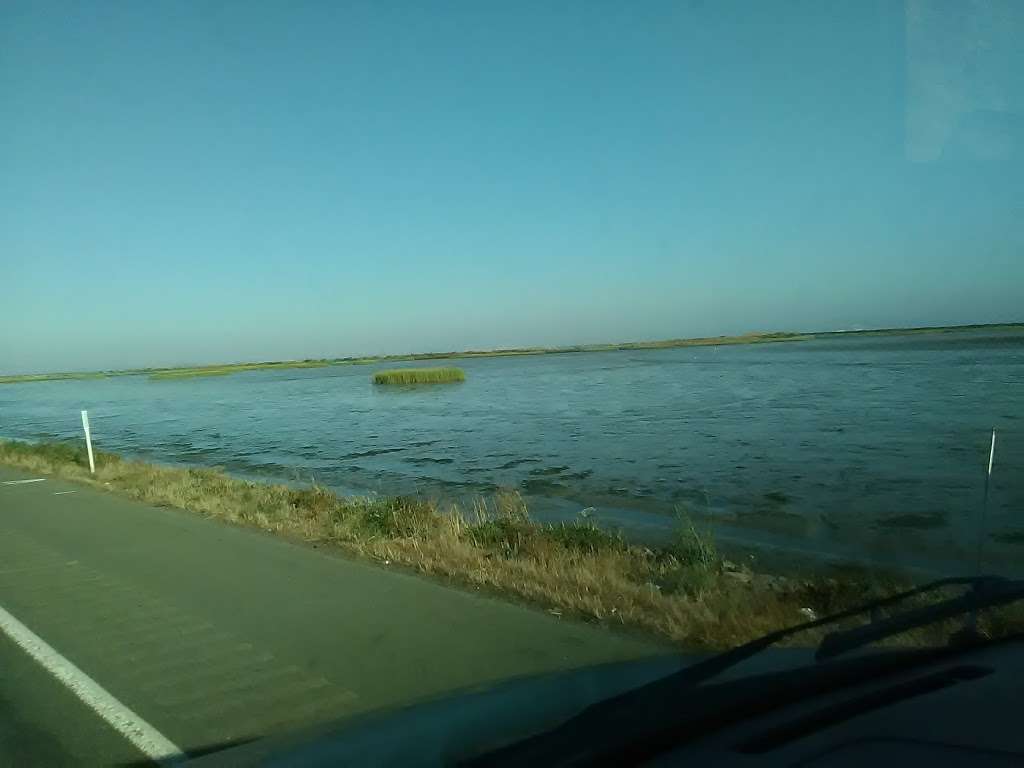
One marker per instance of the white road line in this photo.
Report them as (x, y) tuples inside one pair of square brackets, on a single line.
[(144, 736), (61, 493), (22, 482)]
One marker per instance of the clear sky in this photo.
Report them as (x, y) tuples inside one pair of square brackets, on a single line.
[(187, 182)]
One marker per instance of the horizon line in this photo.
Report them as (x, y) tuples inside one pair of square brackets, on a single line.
[(569, 348)]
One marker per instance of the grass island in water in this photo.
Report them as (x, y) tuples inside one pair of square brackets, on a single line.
[(419, 376)]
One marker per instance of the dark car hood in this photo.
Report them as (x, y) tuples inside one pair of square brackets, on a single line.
[(470, 722), (444, 730)]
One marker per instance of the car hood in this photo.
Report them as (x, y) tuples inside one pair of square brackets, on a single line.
[(445, 730), (466, 723)]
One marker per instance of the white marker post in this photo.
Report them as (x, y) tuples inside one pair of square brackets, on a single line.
[(88, 441), (971, 620), (984, 504), (992, 452)]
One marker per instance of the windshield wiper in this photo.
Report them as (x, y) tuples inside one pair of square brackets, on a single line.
[(647, 720), (630, 729), (985, 592), (705, 670)]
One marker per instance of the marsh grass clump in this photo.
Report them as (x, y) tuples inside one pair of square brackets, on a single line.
[(507, 538), (685, 593), (397, 517), (693, 547), (502, 525), (46, 455), (419, 376), (586, 538)]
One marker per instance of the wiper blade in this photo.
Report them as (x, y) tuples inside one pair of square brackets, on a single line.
[(705, 670), (985, 592), (655, 708), (631, 731)]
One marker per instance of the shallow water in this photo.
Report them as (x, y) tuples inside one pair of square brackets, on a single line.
[(859, 447)]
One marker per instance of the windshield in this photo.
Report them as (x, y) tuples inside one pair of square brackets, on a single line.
[(356, 355)]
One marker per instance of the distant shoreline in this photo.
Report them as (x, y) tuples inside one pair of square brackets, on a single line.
[(186, 372)]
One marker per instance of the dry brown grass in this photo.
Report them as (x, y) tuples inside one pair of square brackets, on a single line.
[(685, 593)]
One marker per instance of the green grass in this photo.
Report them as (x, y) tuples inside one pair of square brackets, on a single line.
[(29, 377), (928, 329), (164, 374), (188, 374), (419, 376), (685, 592)]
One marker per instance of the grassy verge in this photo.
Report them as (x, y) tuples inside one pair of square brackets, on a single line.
[(419, 376), (685, 593)]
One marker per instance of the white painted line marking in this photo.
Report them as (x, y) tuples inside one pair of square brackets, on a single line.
[(22, 482), (61, 493), (145, 737)]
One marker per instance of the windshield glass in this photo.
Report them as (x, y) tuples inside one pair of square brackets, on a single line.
[(354, 355)]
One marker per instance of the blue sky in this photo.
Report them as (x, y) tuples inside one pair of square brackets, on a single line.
[(198, 182)]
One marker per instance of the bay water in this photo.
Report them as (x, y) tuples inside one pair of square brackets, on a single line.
[(859, 448)]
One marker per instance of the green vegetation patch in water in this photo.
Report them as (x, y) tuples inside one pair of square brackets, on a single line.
[(419, 376)]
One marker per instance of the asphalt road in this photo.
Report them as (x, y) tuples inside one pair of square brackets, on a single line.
[(214, 634), (43, 723)]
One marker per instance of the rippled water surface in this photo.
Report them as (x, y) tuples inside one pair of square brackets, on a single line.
[(857, 446)]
